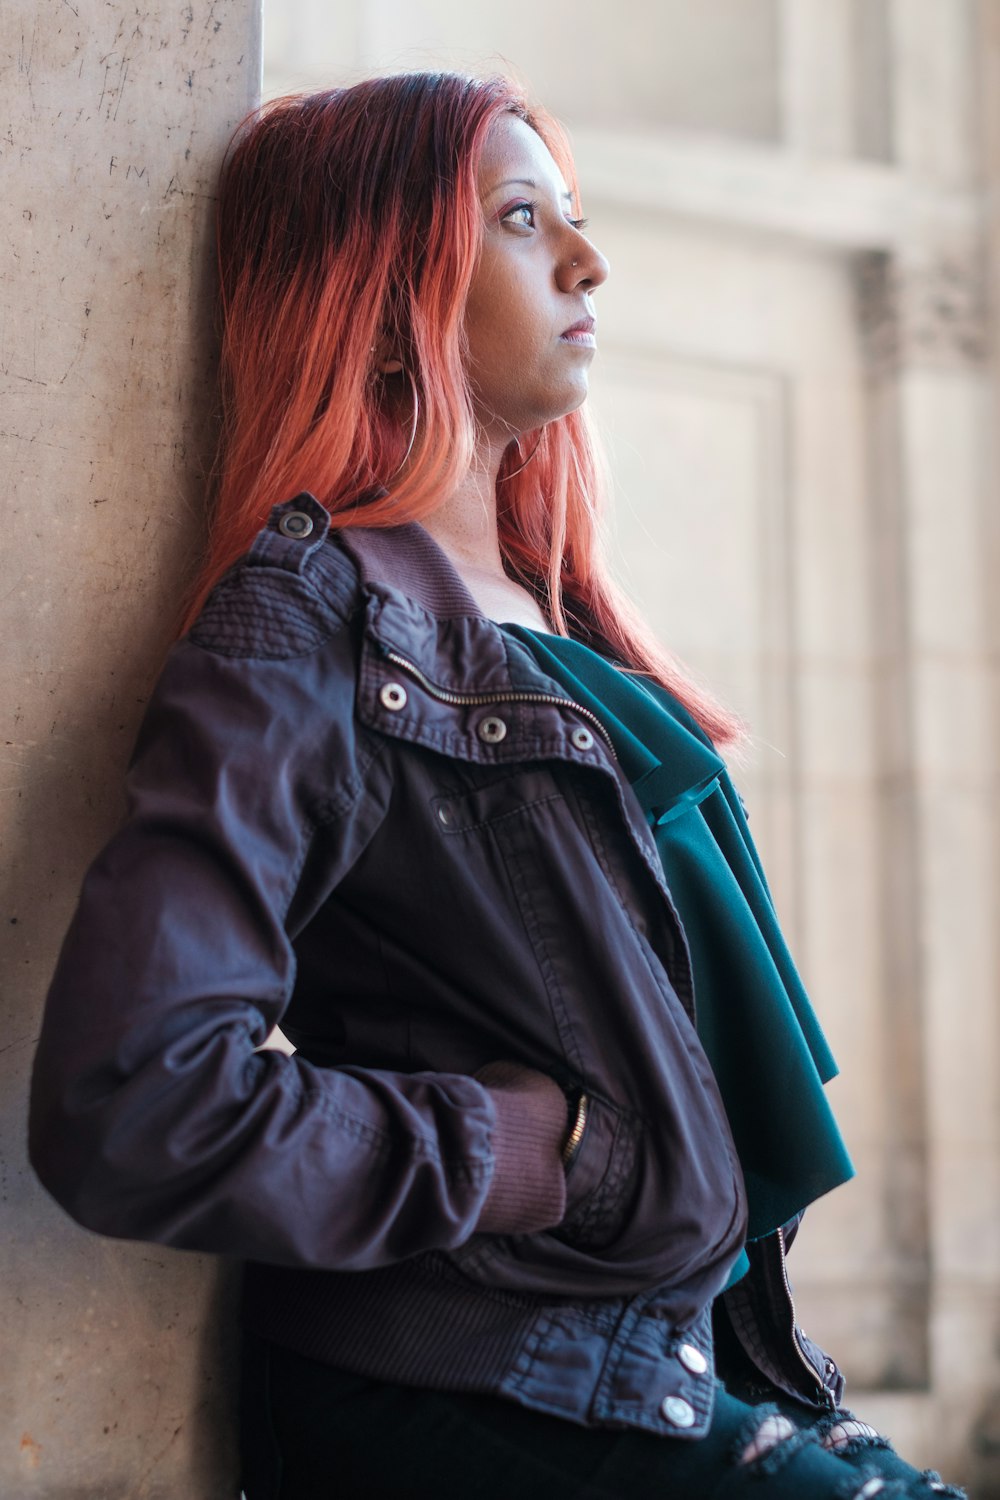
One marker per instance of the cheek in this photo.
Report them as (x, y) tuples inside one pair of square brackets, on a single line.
[(499, 318), (498, 339)]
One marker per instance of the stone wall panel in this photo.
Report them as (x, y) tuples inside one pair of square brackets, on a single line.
[(116, 118)]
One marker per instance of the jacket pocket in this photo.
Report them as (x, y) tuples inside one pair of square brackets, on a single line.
[(598, 1178), (571, 1258)]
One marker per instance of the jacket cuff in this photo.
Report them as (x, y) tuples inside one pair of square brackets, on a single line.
[(528, 1188)]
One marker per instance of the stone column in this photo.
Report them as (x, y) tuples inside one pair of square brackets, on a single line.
[(115, 121), (935, 551), (836, 78), (818, 76)]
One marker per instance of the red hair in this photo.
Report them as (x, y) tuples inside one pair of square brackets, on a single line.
[(349, 222)]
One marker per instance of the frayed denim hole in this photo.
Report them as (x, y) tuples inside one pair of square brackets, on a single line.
[(770, 1431), (937, 1486), (851, 1489), (886, 1488), (780, 1453), (862, 1445), (848, 1436), (744, 1438), (846, 1430)]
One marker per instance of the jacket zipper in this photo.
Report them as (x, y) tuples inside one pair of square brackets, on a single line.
[(795, 1323), (480, 700), (573, 1142)]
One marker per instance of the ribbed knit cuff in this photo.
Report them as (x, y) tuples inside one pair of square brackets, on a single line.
[(528, 1188)]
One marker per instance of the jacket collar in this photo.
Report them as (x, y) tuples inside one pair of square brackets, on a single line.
[(418, 606), (404, 567), (407, 560)]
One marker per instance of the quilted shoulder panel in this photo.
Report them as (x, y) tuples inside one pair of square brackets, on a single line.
[(264, 610)]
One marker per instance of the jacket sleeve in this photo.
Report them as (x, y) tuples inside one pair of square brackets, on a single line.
[(153, 1113)]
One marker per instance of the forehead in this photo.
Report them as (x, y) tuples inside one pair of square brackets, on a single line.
[(512, 151)]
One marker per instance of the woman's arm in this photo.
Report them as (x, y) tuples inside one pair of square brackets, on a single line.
[(153, 1113)]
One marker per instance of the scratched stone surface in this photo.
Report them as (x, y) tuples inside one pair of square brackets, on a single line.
[(112, 1380)]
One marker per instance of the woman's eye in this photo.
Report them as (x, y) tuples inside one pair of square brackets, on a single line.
[(523, 214), (520, 213)]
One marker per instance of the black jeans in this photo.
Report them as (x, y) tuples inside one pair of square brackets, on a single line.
[(313, 1432)]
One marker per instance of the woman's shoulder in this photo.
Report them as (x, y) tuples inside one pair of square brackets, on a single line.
[(288, 595)]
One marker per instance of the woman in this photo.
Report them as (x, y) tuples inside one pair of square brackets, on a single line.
[(419, 787)]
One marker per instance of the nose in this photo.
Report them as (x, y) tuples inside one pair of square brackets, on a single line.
[(583, 266)]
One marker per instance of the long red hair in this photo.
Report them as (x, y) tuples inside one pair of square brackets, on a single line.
[(348, 222)]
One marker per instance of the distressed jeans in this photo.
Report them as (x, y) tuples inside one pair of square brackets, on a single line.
[(313, 1432)]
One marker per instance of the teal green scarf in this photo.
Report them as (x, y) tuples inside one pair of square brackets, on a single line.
[(754, 1018)]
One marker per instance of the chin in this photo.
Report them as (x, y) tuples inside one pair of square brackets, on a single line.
[(571, 401), (575, 402), (514, 424)]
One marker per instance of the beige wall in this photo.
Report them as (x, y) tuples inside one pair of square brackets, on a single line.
[(716, 63), (117, 117)]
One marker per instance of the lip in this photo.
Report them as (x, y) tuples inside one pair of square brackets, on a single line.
[(582, 333)]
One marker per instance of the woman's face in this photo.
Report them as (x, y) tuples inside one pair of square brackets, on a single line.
[(529, 318)]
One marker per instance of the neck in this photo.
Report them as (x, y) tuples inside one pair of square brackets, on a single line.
[(464, 526), (465, 523)]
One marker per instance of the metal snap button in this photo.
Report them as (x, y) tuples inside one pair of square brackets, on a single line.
[(445, 816), (582, 738), (296, 524), (392, 695), (491, 730), (678, 1412), (692, 1359)]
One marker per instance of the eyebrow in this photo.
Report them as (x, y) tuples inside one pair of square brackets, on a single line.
[(525, 182)]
